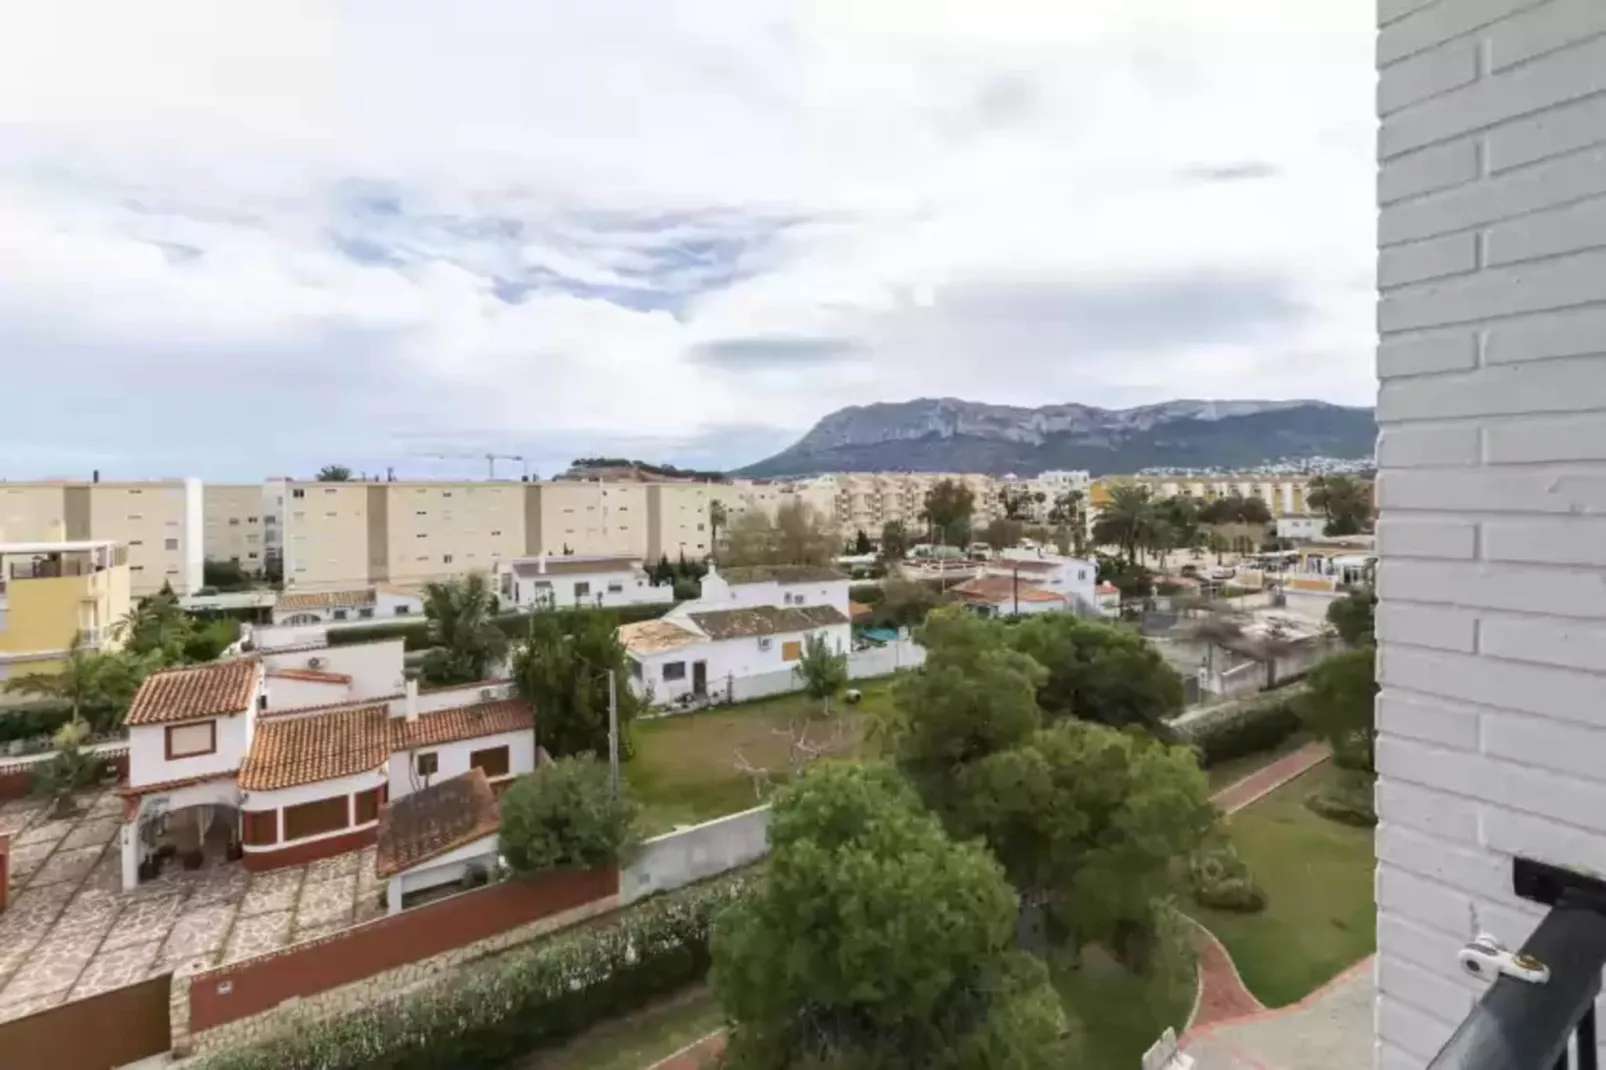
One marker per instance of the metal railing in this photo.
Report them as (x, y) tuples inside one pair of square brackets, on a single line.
[(1539, 1014)]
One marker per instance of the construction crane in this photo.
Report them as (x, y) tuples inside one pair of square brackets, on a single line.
[(490, 460)]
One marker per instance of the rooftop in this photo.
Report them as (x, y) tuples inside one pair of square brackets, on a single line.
[(217, 689), (292, 601), (289, 751), (765, 620), (998, 589), (433, 821), (63, 546), (570, 565), (655, 636), (462, 722), (780, 574)]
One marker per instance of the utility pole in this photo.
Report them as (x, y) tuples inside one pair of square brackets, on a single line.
[(613, 732)]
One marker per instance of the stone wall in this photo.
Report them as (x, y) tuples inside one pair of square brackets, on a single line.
[(692, 854)]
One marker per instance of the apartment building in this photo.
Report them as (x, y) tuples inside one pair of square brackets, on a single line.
[(1284, 495), (51, 591), (159, 522), (235, 523), (355, 534)]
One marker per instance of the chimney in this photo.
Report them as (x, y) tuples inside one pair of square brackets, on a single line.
[(410, 702), (540, 562)]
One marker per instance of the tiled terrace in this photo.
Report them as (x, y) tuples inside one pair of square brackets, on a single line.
[(71, 931)]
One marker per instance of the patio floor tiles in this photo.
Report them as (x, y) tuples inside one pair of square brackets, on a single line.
[(198, 933), (46, 832), (258, 934), (107, 805), (25, 861), (272, 891), (325, 903), (90, 914), (341, 865), (14, 821), (107, 876), (65, 865), (145, 920), (50, 969), (226, 884), (92, 833), (114, 969)]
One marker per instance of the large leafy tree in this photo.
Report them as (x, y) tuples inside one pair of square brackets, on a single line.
[(948, 508), (561, 668), (157, 627), (333, 473), (822, 670), (1353, 617), (565, 815), (97, 684), (1128, 520), (1098, 672), (1338, 705), (1344, 500), (463, 630), (718, 521), (1068, 514), (795, 536), (872, 940), (894, 541)]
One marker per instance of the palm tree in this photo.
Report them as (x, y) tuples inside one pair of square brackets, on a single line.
[(1128, 521), (716, 521), (98, 685), (157, 625), (1344, 500), (1070, 514), (463, 629)]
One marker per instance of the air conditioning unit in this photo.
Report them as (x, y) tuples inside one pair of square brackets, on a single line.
[(487, 693), (765, 642), (314, 663)]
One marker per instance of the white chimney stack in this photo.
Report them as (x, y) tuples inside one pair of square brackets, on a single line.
[(410, 701)]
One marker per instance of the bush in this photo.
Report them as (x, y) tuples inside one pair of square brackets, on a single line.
[(32, 720), (519, 1003), (867, 594), (1248, 727), (1220, 879), (1349, 801), (565, 816), (514, 625)]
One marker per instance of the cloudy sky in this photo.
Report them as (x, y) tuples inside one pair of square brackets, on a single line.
[(248, 238)]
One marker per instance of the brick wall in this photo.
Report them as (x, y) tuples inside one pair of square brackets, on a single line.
[(1492, 486)]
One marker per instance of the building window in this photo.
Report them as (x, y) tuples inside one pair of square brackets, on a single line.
[(317, 818), (136, 516), (367, 806), (136, 542), (674, 670), (427, 764), (234, 521), (366, 614), (494, 533), (635, 668), (582, 590), (298, 493), (402, 611), (492, 761), (792, 650), (446, 559), (191, 740), (261, 828), (616, 588), (340, 614), (250, 520)]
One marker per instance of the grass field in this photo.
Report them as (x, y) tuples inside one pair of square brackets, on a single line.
[(1121, 1014), (686, 770), (1320, 914), (639, 1040)]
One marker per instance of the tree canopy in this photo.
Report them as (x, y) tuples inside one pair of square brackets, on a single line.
[(822, 670), (1098, 672), (565, 815), (333, 473), (795, 536), (1353, 617), (561, 670), (1129, 520), (871, 939), (462, 626), (1344, 500), (948, 508), (1339, 706)]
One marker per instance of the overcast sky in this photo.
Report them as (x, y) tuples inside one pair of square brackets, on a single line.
[(251, 237)]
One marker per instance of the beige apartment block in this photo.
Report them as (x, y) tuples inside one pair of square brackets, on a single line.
[(677, 520), (160, 521), (235, 525)]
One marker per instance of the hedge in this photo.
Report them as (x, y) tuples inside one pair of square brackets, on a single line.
[(415, 632), (1247, 727), (518, 1003), (32, 720)]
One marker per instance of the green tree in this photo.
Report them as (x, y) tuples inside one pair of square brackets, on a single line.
[(894, 541), (333, 473), (905, 603), (1344, 500), (157, 627), (1353, 617), (561, 669), (225, 575), (1069, 516), (822, 671), (70, 770), (796, 536), (872, 940), (1255, 511), (97, 684), (1128, 521), (717, 522), (1098, 672), (1002, 533), (565, 815), (1338, 706), (948, 507), (467, 643), (1180, 517), (862, 544)]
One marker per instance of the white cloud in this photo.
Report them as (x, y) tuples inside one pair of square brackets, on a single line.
[(630, 222)]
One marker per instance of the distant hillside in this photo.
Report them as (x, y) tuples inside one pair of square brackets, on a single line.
[(949, 435), (623, 469)]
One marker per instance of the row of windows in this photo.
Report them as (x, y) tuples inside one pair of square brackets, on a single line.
[(493, 761)]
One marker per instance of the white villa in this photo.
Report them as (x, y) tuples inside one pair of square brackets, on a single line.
[(361, 605), (1024, 582), (576, 580), (747, 622), (281, 757)]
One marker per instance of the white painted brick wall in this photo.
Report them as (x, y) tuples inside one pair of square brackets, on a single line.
[(1492, 482)]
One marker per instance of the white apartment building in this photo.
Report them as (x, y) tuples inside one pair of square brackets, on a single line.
[(160, 522), (545, 582), (1491, 539)]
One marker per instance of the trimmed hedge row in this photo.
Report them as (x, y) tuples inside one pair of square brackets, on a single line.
[(519, 1003), (32, 720), (415, 632), (1247, 727)]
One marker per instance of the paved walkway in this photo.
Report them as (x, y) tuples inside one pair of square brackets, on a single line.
[(1331, 1029)]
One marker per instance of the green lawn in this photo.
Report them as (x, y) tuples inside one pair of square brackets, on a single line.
[(639, 1040), (685, 767), (1121, 1014), (1320, 915)]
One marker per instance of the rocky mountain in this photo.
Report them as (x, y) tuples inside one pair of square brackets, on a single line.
[(949, 435)]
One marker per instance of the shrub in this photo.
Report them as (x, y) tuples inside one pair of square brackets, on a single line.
[(523, 1001), (565, 816), (1220, 879), (1248, 727), (515, 625), (1348, 801), (32, 720), (867, 594)]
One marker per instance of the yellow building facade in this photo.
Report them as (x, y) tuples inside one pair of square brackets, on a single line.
[(51, 591)]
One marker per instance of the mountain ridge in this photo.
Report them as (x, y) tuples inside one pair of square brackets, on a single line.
[(954, 435)]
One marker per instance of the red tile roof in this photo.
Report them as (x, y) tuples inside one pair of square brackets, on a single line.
[(998, 590), (287, 751), (310, 675), (462, 722), (214, 690), (431, 822)]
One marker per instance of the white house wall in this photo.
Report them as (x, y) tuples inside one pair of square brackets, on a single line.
[(717, 594), (729, 658), (448, 868), (285, 693), (453, 759), (375, 668), (269, 637), (633, 590), (147, 752)]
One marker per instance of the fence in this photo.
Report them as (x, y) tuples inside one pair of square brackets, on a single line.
[(16, 774), (113, 1028), (688, 855)]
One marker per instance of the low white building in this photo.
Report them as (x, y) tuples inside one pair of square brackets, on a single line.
[(362, 605), (748, 622), (1300, 528), (1072, 577), (545, 582), (1009, 596)]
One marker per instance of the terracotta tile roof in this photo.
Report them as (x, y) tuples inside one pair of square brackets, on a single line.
[(860, 611), (287, 751), (1010, 564), (431, 822), (292, 601), (213, 690), (1000, 590), (310, 675), (461, 722), (530, 568), (326, 707), (129, 791), (655, 636), (781, 574), (765, 620)]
